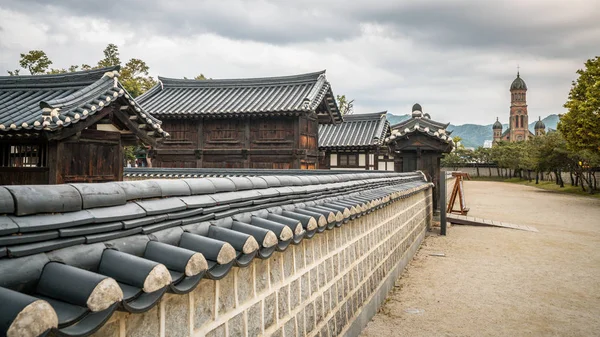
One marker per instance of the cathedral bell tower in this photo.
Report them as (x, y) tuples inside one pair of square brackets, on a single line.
[(519, 121)]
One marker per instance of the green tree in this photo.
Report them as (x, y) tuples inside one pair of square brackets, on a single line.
[(580, 126), (135, 78), (111, 56), (346, 106), (198, 77), (458, 157), (35, 61)]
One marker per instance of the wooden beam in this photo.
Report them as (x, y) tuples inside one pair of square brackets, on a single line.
[(145, 137), (74, 128)]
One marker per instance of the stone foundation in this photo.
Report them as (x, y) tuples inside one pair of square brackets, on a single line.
[(326, 286)]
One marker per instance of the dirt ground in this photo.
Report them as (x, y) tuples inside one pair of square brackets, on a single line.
[(503, 282)]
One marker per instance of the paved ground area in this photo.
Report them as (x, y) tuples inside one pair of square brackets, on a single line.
[(504, 282)]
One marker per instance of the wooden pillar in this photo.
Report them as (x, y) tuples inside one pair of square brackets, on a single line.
[(296, 127), (200, 142), (246, 142), (54, 164)]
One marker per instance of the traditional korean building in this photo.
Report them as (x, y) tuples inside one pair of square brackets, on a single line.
[(269, 123), (357, 143), (69, 127), (419, 144)]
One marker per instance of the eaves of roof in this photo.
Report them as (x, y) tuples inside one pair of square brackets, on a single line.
[(173, 98), (47, 103), (357, 131)]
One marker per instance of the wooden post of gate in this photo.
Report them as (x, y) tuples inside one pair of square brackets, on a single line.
[(442, 202), (459, 191)]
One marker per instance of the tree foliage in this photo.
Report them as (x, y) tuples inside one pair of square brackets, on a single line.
[(198, 77), (35, 61), (134, 74), (135, 78), (111, 57), (346, 106), (580, 126)]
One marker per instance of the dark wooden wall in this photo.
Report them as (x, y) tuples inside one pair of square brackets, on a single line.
[(89, 156), (268, 143), (92, 156), (422, 153)]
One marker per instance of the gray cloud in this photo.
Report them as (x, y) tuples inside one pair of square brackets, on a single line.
[(457, 58)]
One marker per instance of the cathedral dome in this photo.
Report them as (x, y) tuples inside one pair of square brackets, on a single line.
[(518, 84), (539, 124), (497, 125)]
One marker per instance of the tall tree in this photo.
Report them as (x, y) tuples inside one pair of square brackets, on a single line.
[(111, 56), (135, 78), (346, 106), (198, 77), (36, 61), (580, 126)]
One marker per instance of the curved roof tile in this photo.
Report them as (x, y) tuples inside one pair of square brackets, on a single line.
[(51, 102), (138, 265), (225, 97), (361, 130)]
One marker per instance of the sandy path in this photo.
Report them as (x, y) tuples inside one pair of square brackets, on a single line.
[(503, 282)]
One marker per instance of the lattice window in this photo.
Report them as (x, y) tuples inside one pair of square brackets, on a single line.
[(347, 160), (273, 130), (225, 129), (23, 155)]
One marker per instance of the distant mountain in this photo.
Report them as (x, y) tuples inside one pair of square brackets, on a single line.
[(474, 135), (395, 119)]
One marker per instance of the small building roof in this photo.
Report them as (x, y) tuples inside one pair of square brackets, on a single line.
[(286, 95), (423, 124), (37, 103), (361, 130)]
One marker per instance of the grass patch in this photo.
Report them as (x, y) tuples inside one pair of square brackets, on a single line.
[(551, 186), (545, 185)]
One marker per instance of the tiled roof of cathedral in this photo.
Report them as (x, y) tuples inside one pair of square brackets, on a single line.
[(518, 83)]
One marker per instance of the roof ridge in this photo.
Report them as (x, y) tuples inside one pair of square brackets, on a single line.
[(369, 115), (313, 77), (77, 78), (89, 91)]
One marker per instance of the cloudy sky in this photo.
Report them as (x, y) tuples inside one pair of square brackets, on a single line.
[(455, 57)]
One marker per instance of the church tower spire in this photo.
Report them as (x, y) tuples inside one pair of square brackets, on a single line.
[(519, 119)]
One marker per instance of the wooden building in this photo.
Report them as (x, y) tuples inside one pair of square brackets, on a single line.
[(357, 143), (69, 127), (269, 123), (419, 144)]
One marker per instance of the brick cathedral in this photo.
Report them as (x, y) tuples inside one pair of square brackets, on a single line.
[(518, 127)]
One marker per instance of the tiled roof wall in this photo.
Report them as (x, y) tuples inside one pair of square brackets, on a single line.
[(70, 255), (230, 97), (50, 102), (361, 130)]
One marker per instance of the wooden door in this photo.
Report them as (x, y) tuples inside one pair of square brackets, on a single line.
[(95, 156)]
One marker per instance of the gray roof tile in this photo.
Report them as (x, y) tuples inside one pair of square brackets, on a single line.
[(50, 102), (230, 97), (361, 130)]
